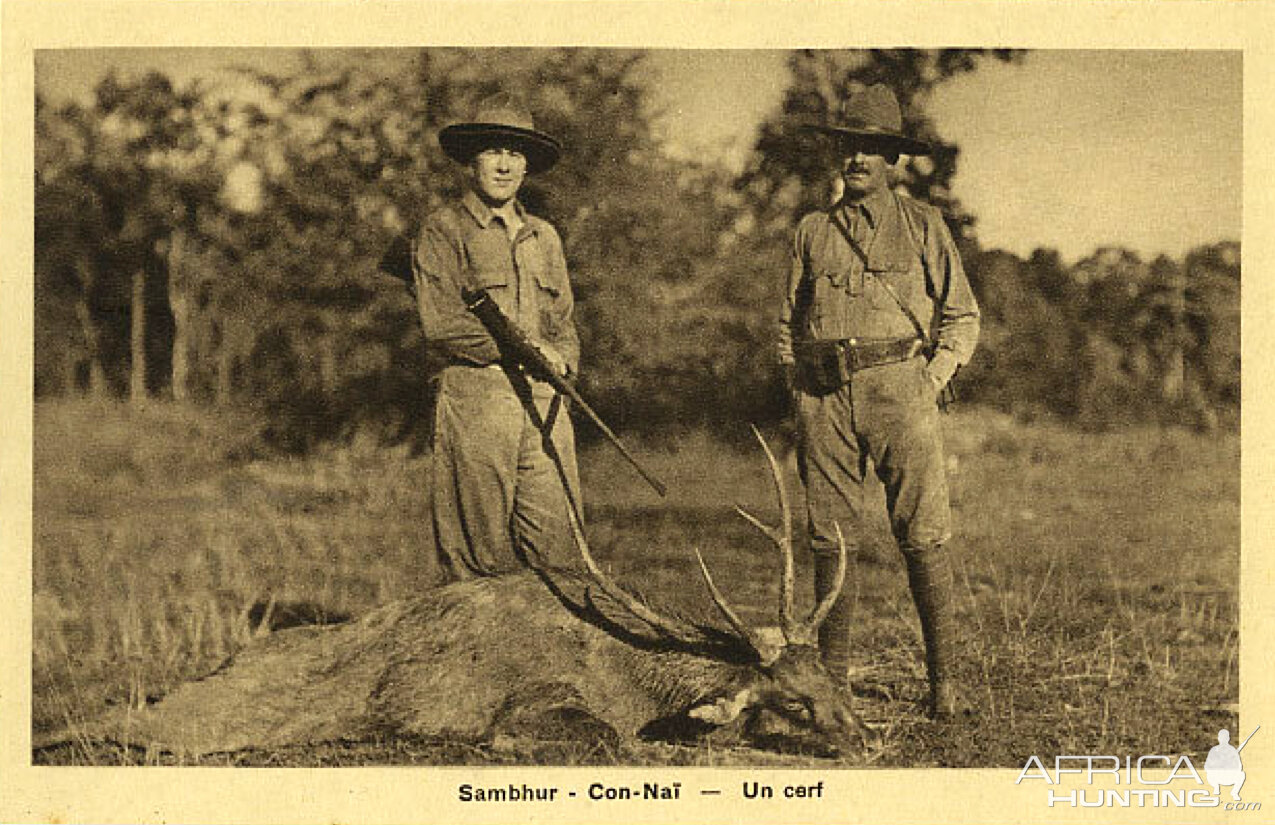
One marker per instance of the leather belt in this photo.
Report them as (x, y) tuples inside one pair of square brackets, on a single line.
[(863, 353)]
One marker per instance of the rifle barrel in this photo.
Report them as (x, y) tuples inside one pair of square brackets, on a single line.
[(615, 439), (504, 330)]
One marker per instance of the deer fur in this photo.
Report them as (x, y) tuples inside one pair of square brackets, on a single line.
[(548, 654)]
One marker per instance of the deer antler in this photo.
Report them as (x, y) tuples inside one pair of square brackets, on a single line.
[(825, 607), (782, 538), (680, 631), (794, 632), (731, 616)]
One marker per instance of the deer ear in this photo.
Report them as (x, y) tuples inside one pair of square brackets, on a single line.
[(726, 709)]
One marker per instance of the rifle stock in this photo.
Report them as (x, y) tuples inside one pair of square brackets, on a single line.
[(518, 345)]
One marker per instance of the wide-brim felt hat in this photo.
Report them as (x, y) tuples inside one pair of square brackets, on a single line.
[(873, 117), (501, 120)]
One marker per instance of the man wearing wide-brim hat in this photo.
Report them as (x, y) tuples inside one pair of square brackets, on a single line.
[(876, 319), (496, 494)]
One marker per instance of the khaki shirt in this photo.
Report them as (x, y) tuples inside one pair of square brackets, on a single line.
[(466, 245), (833, 294)]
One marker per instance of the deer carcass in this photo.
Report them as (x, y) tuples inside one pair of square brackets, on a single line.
[(535, 654)]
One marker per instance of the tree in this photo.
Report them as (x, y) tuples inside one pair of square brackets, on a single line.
[(789, 173), (140, 125), (68, 224), (1111, 340), (1162, 321), (106, 205), (222, 240), (1212, 330)]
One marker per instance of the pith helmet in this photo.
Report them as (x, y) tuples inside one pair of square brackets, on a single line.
[(873, 116), (500, 119)]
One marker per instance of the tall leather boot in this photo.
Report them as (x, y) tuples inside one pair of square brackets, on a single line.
[(834, 633), (930, 579)]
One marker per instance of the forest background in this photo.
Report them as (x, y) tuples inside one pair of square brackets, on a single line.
[(215, 243)]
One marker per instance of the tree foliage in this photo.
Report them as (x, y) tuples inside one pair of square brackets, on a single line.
[(1112, 339), (218, 245), (790, 174)]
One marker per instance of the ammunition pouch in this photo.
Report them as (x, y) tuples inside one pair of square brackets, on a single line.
[(821, 367), (825, 366)]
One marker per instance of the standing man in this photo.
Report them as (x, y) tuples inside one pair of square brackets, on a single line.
[(503, 448), (876, 319)]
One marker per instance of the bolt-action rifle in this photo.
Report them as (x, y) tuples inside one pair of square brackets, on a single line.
[(517, 345)]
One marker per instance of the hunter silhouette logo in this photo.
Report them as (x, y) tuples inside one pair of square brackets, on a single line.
[(1223, 765), (1150, 780)]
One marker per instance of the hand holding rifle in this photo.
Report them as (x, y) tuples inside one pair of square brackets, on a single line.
[(544, 363)]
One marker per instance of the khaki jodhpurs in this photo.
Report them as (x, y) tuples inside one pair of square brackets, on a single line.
[(497, 495), (887, 414)]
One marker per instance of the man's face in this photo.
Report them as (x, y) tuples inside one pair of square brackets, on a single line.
[(498, 173), (864, 170)]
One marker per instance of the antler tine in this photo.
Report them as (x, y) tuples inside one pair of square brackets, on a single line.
[(718, 599), (825, 606), (769, 532), (782, 538), (674, 629)]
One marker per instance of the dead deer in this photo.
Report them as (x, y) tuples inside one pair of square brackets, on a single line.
[(546, 655)]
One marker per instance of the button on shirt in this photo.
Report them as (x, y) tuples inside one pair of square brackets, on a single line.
[(467, 245), (834, 293)]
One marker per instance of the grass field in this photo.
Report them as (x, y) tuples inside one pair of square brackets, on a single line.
[(1097, 576)]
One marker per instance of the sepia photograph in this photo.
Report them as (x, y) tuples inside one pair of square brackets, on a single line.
[(805, 412)]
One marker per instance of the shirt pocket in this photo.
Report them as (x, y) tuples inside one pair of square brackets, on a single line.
[(828, 282), (894, 260), (829, 294), (488, 275), (551, 283), (488, 265), (901, 275), (828, 274)]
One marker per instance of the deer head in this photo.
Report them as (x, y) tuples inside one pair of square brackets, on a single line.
[(789, 680)]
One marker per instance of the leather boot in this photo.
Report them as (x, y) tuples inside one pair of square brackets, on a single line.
[(930, 579), (834, 633)]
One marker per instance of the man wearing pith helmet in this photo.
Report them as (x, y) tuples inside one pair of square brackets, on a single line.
[(876, 319), (496, 490)]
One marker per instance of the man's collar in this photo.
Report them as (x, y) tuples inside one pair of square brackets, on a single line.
[(872, 205), (483, 213)]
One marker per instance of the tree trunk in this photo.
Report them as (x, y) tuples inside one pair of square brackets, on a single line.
[(92, 339), (137, 380), (225, 368), (180, 304), (70, 374), (327, 363), (1174, 379)]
